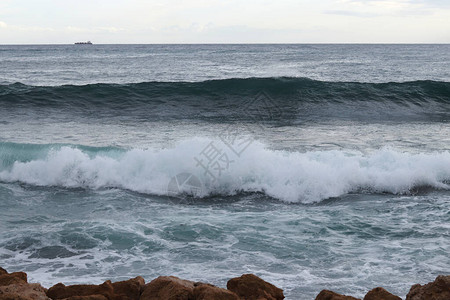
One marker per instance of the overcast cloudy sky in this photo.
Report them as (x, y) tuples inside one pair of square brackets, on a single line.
[(224, 21)]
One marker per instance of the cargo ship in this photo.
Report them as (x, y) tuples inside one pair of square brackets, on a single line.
[(84, 43)]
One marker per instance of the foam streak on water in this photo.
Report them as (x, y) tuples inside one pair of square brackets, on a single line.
[(347, 245)]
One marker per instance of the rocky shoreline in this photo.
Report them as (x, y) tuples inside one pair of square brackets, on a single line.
[(15, 286)]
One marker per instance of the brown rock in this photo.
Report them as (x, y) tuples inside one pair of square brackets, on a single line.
[(251, 287), (439, 289), (380, 294), (168, 288), (204, 291), (329, 295), (20, 275), (14, 286), (91, 297), (13, 297), (121, 290), (60, 291), (23, 291), (13, 278), (129, 289)]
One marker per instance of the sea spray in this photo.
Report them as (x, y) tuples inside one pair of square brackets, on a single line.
[(288, 176)]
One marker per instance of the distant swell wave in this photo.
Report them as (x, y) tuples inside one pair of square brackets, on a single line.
[(297, 99), (287, 176)]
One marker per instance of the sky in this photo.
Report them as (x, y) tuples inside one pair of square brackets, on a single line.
[(224, 21)]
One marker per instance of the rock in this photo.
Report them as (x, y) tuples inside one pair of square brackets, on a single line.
[(13, 278), (380, 294), (439, 289), (329, 295), (60, 291), (121, 290), (251, 287), (14, 286), (91, 297), (168, 288), (13, 297), (204, 291), (129, 289), (23, 291)]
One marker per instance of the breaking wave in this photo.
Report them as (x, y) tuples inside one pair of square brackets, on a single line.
[(304, 177)]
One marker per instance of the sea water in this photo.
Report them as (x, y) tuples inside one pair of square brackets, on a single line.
[(312, 166)]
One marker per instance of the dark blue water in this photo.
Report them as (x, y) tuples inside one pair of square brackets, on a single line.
[(312, 166)]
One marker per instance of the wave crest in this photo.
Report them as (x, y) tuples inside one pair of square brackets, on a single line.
[(288, 176), (298, 99)]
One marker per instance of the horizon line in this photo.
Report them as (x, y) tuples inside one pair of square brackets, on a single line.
[(231, 43)]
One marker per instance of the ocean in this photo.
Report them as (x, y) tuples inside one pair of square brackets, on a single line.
[(312, 166)]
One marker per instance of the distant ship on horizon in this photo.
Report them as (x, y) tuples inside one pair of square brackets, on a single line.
[(84, 43)]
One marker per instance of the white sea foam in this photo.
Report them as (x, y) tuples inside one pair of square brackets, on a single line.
[(288, 176)]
